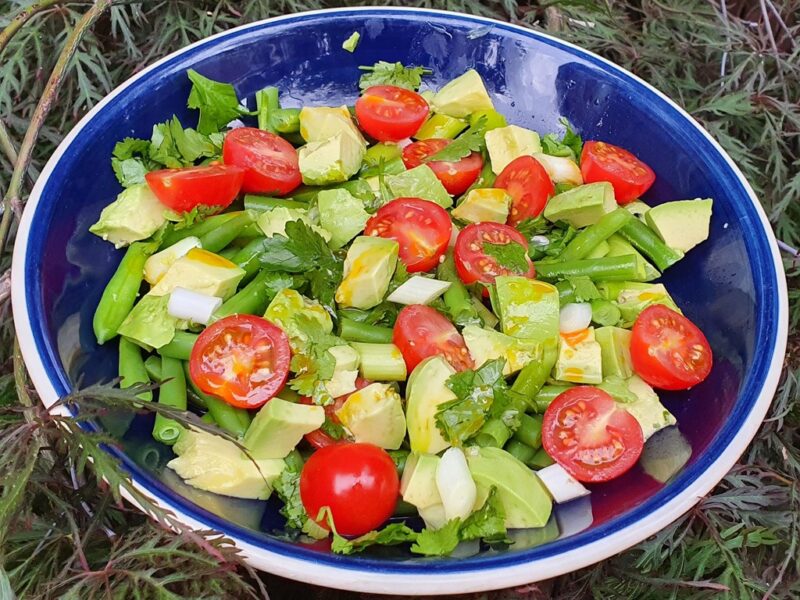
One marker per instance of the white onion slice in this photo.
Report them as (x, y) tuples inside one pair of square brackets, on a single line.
[(453, 237), (192, 306), (560, 169), (540, 240), (575, 316), (419, 290), (455, 484), (562, 486), (405, 142)]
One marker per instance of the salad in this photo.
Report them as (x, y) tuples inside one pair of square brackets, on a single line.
[(407, 307)]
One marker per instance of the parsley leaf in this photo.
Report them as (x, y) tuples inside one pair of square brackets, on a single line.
[(472, 140), (512, 256), (584, 288), (216, 101), (314, 364), (287, 487), (487, 523), (386, 73), (555, 236), (384, 313), (131, 161), (173, 146), (391, 535), (438, 542), (570, 145)]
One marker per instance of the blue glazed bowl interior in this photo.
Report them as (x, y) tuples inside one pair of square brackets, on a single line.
[(727, 285)]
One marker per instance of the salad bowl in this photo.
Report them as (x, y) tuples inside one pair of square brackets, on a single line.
[(733, 285)]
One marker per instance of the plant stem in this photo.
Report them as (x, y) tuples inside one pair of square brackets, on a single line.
[(21, 18)]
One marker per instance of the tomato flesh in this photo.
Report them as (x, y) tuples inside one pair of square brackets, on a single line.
[(528, 184), (456, 177), (318, 438), (589, 436), (422, 228), (389, 113), (629, 176), (184, 189), (357, 482), (270, 163), (242, 359), (473, 264), (668, 351), (421, 331)]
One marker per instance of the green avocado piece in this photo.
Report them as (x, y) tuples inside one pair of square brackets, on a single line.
[(135, 215), (582, 205), (647, 410), (491, 118), (488, 344), (507, 143), (633, 297), (419, 182), (525, 500), (418, 484), (425, 391), (665, 454), (209, 462), (368, 270), (615, 347), (682, 224), (579, 358), (374, 415), (286, 305), (149, 323), (274, 221), (637, 208), (527, 308), (279, 426), (342, 214), (201, 271), (345, 370), (482, 205), (333, 160), (463, 95), (319, 123), (440, 127)]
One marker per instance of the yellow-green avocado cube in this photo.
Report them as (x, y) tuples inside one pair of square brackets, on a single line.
[(464, 95), (288, 304), (682, 224), (374, 415), (319, 123), (333, 160), (418, 484), (135, 215), (583, 205), (279, 426), (425, 391), (579, 358), (484, 205), (368, 270), (507, 143), (201, 271), (647, 410), (487, 344)]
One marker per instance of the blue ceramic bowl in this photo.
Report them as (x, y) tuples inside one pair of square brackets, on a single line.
[(732, 286)]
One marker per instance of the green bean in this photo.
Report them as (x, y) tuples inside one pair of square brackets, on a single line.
[(217, 239), (266, 102), (532, 377), (173, 394), (519, 450), (207, 418), (285, 120), (227, 417), (546, 395), (120, 294), (229, 252), (252, 299), (353, 331), (180, 347), (147, 454), (588, 239), (389, 167), (609, 268), (153, 366), (485, 178), (494, 433), (267, 203), (357, 187), (645, 240), (530, 431), (541, 459), (198, 229), (605, 312), (566, 293), (131, 368), (380, 153), (248, 258), (456, 298)]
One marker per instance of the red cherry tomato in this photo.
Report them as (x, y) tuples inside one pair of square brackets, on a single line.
[(422, 228), (456, 177), (629, 176), (529, 186), (184, 189), (320, 439), (587, 434), (474, 264), (668, 351), (242, 359), (357, 482), (389, 113), (270, 162), (421, 331)]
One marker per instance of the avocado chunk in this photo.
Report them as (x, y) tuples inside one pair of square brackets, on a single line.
[(525, 500), (320, 123), (201, 271), (279, 426), (345, 370), (288, 304), (368, 270), (666, 453), (582, 205), (615, 348), (647, 410), (527, 308), (425, 391), (418, 483), (682, 224), (156, 265), (487, 344), (419, 182), (507, 143), (440, 127), (149, 323), (463, 95), (342, 214), (135, 215), (632, 297), (209, 462), (637, 208), (333, 160), (490, 117), (274, 221), (482, 205), (619, 246), (580, 358), (374, 415)]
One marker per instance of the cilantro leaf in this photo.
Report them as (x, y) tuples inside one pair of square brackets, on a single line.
[(512, 256), (287, 487), (397, 74), (487, 523), (569, 146), (438, 542), (391, 535), (545, 238), (313, 364), (130, 161), (173, 146), (384, 313), (216, 101), (472, 140), (584, 288)]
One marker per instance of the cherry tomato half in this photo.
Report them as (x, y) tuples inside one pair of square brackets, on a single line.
[(184, 189), (320, 439), (456, 177), (587, 434), (629, 176), (422, 228), (242, 359), (528, 184), (421, 331), (474, 264), (270, 162), (358, 482), (668, 351), (389, 113)]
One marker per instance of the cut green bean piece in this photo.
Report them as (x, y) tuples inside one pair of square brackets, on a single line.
[(180, 347), (153, 366), (646, 241), (252, 299), (520, 451), (605, 312), (494, 433), (131, 368), (173, 394), (266, 103), (353, 331), (219, 238), (540, 460), (546, 395), (285, 120), (457, 298), (248, 257), (197, 230), (267, 203), (227, 417), (530, 431), (588, 239), (614, 268)]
